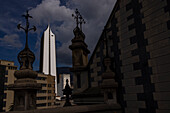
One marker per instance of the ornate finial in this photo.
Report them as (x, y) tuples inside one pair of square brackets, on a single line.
[(67, 91), (79, 19), (26, 57), (82, 21), (26, 29)]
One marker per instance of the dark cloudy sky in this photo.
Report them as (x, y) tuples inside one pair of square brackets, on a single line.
[(57, 13)]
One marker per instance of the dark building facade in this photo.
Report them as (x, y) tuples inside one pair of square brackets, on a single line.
[(138, 35), (2, 76)]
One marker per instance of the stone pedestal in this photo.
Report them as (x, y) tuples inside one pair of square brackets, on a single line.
[(25, 88), (109, 85)]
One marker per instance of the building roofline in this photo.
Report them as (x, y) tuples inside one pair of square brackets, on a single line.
[(7, 60), (107, 23)]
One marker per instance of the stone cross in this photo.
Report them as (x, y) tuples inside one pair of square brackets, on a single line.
[(79, 19), (26, 29)]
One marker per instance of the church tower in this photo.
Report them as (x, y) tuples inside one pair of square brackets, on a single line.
[(79, 56)]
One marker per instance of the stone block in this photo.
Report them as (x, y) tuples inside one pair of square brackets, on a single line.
[(131, 110), (136, 104), (162, 111), (124, 43), (95, 60), (127, 68), (155, 30), (161, 69), (158, 37), (94, 84), (153, 8), (130, 60), (124, 25), (134, 89), (159, 60), (128, 82), (153, 15), (147, 4), (94, 74), (132, 74), (128, 34), (97, 78), (125, 55), (128, 48), (124, 3), (160, 52), (93, 65), (122, 19), (130, 97), (161, 96), (162, 77), (157, 21), (162, 86), (158, 44), (163, 105)]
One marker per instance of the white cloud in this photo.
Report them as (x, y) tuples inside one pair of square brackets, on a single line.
[(95, 12), (10, 41)]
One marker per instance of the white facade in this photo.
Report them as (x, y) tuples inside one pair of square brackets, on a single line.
[(48, 61)]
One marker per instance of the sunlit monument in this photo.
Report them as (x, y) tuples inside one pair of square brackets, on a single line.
[(25, 87)]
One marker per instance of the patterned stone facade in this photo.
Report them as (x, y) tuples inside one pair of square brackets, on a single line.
[(139, 44)]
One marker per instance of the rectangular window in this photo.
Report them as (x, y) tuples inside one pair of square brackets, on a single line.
[(41, 98), (49, 91), (40, 105), (49, 97), (49, 85), (41, 91), (4, 103), (6, 79), (43, 85), (41, 78), (49, 104), (4, 97), (5, 87), (6, 72)]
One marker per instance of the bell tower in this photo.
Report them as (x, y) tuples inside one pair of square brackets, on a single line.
[(79, 55)]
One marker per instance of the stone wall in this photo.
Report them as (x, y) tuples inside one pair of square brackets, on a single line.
[(139, 44)]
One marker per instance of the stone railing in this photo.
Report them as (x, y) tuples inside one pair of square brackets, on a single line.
[(99, 108)]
